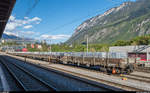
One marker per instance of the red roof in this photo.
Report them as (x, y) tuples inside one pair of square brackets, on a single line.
[(24, 50)]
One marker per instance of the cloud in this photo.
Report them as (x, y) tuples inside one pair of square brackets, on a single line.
[(26, 17), (14, 23), (22, 24), (28, 26), (28, 32), (20, 33), (10, 33), (35, 19), (55, 37), (12, 18), (11, 26)]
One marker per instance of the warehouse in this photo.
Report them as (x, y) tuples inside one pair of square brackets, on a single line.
[(142, 51)]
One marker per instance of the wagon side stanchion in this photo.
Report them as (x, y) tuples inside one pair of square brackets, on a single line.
[(83, 58), (25, 58), (94, 59)]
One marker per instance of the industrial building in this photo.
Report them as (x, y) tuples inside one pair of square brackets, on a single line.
[(142, 51)]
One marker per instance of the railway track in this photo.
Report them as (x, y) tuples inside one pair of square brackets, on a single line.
[(88, 82), (26, 81), (95, 79), (143, 70), (138, 78), (125, 87), (130, 76), (144, 77)]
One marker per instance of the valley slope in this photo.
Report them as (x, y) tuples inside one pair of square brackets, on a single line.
[(124, 22)]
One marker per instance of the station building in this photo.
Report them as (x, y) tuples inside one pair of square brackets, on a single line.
[(142, 52)]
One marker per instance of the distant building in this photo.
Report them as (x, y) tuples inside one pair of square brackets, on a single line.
[(71, 45), (38, 46), (32, 45), (13, 48), (44, 41), (142, 51), (24, 50), (3, 41), (19, 41)]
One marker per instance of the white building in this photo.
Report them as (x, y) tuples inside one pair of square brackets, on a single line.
[(142, 51)]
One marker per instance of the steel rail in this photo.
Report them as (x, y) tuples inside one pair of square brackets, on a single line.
[(127, 76), (75, 77), (136, 78), (14, 76), (143, 70), (87, 81), (62, 72), (77, 74), (37, 78), (140, 76), (30, 74)]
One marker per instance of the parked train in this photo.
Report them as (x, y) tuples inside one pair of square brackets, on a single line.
[(106, 61)]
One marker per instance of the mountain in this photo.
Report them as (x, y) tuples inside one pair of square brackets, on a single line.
[(7, 36), (124, 22), (13, 37)]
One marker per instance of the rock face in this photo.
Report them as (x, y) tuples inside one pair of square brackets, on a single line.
[(124, 22)]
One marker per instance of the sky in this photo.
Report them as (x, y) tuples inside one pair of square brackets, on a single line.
[(54, 20)]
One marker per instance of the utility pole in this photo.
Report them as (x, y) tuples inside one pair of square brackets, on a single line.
[(17, 35), (17, 39), (50, 46), (147, 55), (87, 44), (23, 40)]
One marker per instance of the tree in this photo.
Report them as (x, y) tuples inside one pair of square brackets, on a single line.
[(142, 40), (121, 43)]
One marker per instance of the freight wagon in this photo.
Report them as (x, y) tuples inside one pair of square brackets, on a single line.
[(106, 61)]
